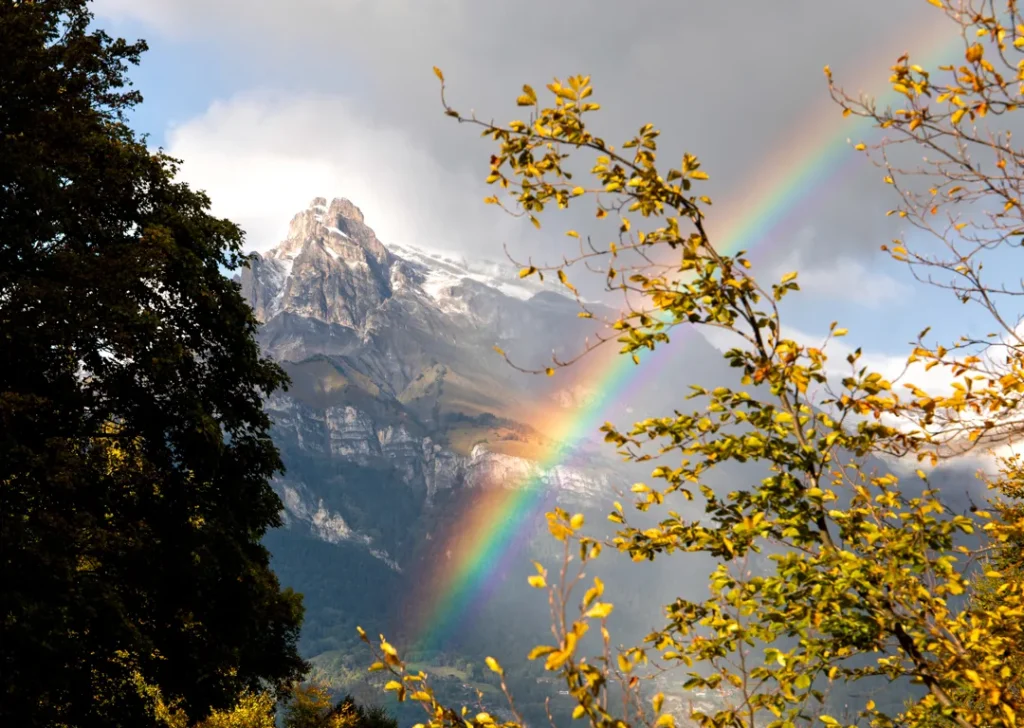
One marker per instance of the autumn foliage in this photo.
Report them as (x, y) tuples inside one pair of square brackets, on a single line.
[(867, 576)]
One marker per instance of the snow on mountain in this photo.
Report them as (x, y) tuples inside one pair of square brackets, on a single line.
[(395, 381), (444, 270)]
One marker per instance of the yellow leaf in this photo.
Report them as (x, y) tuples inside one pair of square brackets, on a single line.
[(576, 522), (535, 221), (437, 72), (665, 720), (789, 277), (493, 664), (550, 372), (577, 712), (659, 699), (499, 350), (565, 281), (540, 651), (600, 610), (699, 175), (578, 191), (537, 582), (958, 115), (556, 659), (974, 53), (860, 147), (840, 332)]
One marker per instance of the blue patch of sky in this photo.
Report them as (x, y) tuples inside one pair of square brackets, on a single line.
[(888, 326), (180, 79)]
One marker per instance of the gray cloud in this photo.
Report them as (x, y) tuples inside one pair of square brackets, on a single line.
[(726, 81)]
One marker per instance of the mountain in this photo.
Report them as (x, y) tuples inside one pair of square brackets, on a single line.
[(397, 392), (400, 414)]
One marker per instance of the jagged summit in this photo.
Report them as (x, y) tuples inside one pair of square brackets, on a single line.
[(401, 315), (332, 269)]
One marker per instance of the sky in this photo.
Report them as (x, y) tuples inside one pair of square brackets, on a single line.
[(272, 103)]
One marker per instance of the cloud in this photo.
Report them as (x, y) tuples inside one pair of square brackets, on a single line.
[(262, 158), (843, 278), (728, 81), (893, 367)]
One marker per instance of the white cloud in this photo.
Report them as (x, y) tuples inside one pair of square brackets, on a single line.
[(263, 157), (937, 381), (843, 278), (383, 51)]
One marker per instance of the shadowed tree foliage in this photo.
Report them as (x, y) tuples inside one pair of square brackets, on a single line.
[(310, 706), (134, 451)]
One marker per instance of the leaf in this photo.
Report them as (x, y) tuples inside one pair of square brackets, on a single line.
[(540, 651), (600, 610), (789, 277), (840, 332), (493, 664), (697, 174), (537, 581), (659, 699), (437, 72)]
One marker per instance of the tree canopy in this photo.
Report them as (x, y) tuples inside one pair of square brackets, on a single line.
[(869, 574), (135, 454)]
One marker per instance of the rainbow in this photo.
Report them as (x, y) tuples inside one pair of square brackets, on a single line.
[(496, 525)]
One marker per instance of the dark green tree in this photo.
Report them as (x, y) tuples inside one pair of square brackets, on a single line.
[(135, 454), (309, 706)]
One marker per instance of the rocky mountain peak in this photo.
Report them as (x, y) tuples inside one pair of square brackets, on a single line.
[(330, 268)]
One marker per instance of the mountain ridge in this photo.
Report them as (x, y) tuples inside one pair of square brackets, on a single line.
[(396, 392)]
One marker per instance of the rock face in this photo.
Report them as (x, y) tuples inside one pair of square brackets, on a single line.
[(397, 396)]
